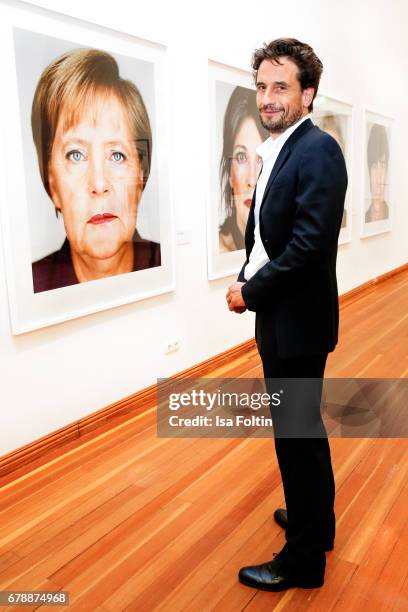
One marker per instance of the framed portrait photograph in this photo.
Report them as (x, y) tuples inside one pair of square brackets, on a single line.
[(336, 118), (376, 212), (235, 132), (85, 205)]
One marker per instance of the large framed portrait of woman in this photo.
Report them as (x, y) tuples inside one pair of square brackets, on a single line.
[(235, 132), (336, 118), (376, 212), (86, 211)]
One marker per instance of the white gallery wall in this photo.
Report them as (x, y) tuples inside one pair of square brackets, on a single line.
[(53, 376)]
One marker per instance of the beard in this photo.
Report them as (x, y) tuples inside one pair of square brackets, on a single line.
[(277, 125)]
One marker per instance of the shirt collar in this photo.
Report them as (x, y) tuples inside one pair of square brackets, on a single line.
[(272, 146)]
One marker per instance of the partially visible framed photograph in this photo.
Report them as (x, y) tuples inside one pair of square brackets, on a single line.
[(235, 133), (86, 212), (377, 211), (335, 118)]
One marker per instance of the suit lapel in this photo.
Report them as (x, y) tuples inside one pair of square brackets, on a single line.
[(285, 152), (281, 159)]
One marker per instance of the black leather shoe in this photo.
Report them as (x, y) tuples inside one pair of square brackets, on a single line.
[(273, 576), (281, 517)]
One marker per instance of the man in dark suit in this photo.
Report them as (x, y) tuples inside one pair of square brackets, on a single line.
[(289, 280)]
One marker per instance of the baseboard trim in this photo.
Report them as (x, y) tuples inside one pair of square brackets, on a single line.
[(345, 299), (22, 460)]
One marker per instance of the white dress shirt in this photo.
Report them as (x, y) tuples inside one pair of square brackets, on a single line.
[(268, 151)]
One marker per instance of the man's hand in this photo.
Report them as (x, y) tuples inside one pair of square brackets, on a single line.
[(234, 298)]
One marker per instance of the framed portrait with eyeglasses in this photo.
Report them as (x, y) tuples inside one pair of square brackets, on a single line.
[(86, 209), (377, 209), (235, 133), (336, 118)]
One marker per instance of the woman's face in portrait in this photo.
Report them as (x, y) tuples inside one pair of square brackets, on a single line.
[(336, 135), (378, 175), (96, 179), (245, 168)]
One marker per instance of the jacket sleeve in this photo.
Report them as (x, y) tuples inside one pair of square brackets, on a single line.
[(322, 184)]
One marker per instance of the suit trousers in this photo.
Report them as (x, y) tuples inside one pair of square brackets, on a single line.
[(303, 453)]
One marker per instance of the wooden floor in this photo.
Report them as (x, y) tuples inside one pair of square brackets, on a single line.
[(128, 521)]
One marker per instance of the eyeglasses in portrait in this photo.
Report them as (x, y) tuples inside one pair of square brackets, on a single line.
[(97, 226), (236, 133), (376, 213), (335, 118)]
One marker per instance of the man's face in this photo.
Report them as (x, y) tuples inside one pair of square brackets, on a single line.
[(280, 99), (96, 180)]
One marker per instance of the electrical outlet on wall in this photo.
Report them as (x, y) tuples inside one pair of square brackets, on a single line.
[(183, 237), (172, 346)]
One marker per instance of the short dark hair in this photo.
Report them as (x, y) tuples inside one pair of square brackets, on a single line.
[(377, 146), (309, 66)]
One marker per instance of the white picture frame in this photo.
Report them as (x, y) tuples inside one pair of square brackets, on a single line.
[(144, 63), (224, 82), (336, 118), (377, 143)]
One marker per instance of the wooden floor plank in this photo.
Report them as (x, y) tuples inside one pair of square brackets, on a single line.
[(208, 579), (129, 521), (367, 582), (401, 600), (180, 553), (69, 527)]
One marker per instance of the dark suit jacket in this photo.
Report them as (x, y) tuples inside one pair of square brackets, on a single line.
[(300, 219)]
